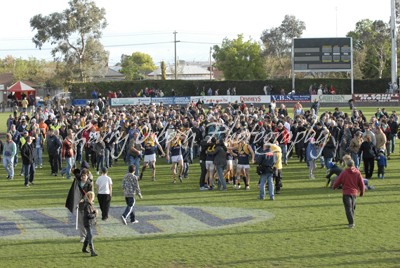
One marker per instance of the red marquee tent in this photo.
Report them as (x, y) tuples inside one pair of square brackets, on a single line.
[(19, 88)]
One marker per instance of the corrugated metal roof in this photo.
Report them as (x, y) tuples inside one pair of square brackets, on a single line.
[(184, 70)]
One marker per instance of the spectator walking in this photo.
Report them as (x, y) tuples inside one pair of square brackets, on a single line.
[(104, 192), (16, 137), (54, 149), (368, 152), (394, 128), (68, 154), (99, 149), (283, 137), (85, 185), (354, 147), (382, 164), (9, 152), (311, 158), (89, 219), (130, 186), (135, 152), (351, 181), (28, 161), (39, 141), (266, 162), (220, 163)]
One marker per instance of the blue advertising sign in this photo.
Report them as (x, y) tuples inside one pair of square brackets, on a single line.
[(79, 102), (291, 98), (129, 101), (171, 100), (182, 100), (164, 100)]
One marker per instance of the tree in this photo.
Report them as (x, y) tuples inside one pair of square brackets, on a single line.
[(371, 45), (239, 59), (76, 32), (163, 71), (277, 43), (137, 66), (32, 69)]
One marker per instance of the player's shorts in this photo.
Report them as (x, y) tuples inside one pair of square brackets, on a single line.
[(240, 166), (149, 158), (176, 158), (235, 163), (229, 163), (210, 165)]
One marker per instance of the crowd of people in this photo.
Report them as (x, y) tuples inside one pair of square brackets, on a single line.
[(226, 140), (137, 135)]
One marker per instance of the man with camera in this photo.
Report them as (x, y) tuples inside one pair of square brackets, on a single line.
[(266, 160)]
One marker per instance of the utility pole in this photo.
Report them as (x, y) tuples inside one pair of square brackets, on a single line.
[(394, 39)]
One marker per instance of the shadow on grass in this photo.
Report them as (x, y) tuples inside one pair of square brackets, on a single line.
[(379, 262), (225, 233)]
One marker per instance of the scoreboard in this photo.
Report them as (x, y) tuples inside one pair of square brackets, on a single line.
[(322, 54)]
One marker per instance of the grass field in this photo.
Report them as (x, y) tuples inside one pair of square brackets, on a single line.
[(308, 228)]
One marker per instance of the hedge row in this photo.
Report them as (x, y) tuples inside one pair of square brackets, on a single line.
[(255, 87)]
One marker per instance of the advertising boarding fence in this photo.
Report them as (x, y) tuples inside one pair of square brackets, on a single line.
[(370, 97)]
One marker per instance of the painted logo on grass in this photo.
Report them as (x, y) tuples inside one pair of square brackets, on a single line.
[(153, 220)]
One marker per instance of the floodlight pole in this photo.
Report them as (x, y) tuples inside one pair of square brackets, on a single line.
[(394, 43), (176, 65)]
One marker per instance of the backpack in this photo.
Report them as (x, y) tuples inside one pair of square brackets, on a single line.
[(267, 164)]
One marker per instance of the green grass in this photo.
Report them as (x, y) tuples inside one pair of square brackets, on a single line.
[(308, 228)]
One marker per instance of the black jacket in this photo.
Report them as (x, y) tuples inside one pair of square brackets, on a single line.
[(329, 150), (89, 214), (394, 127), (27, 154), (203, 152), (220, 155), (368, 150), (53, 145)]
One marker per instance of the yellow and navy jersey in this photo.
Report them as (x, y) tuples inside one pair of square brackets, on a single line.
[(176, 147), (243, 153), (210, 152), (150, 145)]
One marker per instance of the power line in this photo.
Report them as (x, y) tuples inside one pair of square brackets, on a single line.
[(23, 49), (200, 43), (136, 34), (6, 39), (117, 45), (139, 44)]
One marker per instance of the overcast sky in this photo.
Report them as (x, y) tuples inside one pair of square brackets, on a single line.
[(148, 26)]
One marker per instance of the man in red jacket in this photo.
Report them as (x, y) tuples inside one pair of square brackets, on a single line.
[(351, 181)]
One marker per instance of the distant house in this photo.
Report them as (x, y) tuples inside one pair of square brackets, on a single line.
[(185, 71), (6, 80), (111, 75)]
